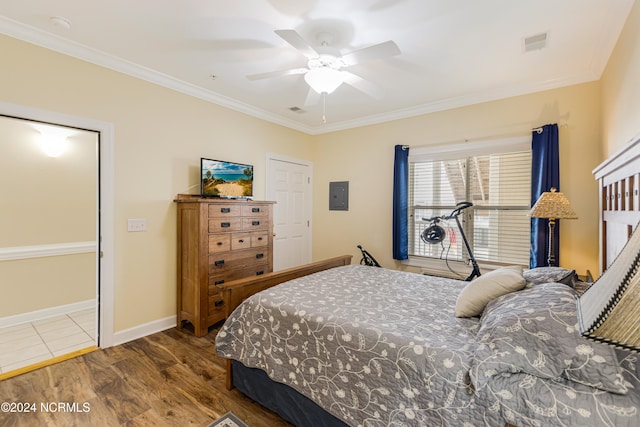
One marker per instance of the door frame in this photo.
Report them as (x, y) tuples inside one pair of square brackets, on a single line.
[(105, 209), (270, 186)]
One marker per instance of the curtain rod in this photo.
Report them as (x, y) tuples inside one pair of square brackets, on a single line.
[(538, 130)]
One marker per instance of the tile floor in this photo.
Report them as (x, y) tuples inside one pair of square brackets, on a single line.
[(29, 343)]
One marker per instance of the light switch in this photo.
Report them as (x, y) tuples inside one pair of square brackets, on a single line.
[(139, 224)]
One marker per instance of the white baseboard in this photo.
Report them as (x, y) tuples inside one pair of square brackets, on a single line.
[(145, 329), (33, 316)]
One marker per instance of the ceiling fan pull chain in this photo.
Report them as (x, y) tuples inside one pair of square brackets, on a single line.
[(324, 107)]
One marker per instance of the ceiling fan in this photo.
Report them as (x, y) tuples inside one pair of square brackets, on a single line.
[(325, 67)]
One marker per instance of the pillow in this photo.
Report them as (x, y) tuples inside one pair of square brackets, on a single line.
[(539, 275), (535, 331), (475, 296), (592, 365)]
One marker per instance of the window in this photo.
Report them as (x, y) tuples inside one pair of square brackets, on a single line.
[(499, 186)]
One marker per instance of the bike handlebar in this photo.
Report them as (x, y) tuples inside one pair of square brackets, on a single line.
[(456, 211)]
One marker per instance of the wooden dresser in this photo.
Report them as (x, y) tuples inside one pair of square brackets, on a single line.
[(219, 240)]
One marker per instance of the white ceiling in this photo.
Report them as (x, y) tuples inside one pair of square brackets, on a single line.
[(453, 52)]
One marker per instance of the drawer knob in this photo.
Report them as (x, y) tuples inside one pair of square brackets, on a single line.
[(255, 210), (219, 263), (259, 273), (255, 222), (220, 243), (218, 282), (225, 210), (219, 303), (241, 241), (259, 256), (259, 239), (225, 224)]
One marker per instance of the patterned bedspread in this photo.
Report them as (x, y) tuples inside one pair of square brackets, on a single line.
[(378, 347), (386, 350)]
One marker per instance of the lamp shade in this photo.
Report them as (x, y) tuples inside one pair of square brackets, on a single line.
[(324, 79), (609, 310), (553, 204)]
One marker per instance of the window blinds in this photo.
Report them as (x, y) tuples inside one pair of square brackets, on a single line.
[(498, 185)]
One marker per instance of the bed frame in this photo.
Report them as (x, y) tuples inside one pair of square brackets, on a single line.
[(619, 180), (236, 291), (619, 201)]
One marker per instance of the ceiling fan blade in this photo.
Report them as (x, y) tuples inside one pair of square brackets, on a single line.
[(294, 39), (377, 51), (362, 85), (280, 73)]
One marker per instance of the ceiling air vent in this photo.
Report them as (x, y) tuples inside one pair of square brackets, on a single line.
[(536, 42)]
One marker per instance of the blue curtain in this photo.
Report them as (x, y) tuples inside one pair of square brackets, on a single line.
[(401, 203), (545, 173)]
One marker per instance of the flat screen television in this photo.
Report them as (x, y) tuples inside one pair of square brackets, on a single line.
[(225, 179)]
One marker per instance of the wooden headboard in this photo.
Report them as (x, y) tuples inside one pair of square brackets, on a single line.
[(619, 179)]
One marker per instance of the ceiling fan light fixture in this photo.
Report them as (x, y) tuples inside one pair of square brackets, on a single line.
[(324, 79)]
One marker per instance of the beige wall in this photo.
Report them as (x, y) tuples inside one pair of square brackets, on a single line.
[(621, 88), (364, 157), (46, 201), (159, 137), (161, 134), (35, 284)]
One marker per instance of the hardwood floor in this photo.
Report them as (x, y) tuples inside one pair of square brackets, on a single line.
[(170, 378)]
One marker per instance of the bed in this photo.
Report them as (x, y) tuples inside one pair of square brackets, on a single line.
[(339, 344)]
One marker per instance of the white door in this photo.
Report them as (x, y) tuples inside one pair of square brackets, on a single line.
[(289, 185)]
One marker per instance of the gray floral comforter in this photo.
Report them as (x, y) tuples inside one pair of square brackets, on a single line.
[(379, 347), (533, 365), (384, 350)]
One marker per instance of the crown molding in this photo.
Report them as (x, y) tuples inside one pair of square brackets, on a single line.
[(59, 44), (458, 102), (68, 47)]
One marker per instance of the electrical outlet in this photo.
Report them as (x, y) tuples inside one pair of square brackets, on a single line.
[(137, 224)]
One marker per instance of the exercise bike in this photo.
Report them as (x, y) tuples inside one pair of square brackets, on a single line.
[(434, 233), (367, 258)]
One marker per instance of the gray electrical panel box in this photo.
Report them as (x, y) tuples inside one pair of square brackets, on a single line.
[(339, 196)]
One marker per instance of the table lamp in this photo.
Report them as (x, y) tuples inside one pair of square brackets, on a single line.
[(552, 205)]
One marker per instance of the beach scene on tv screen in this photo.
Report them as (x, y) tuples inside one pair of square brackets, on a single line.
[(224, 179)]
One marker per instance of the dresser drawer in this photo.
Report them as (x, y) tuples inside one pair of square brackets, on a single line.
[(216, 306), (219, 243), (259, 239), (223, 211), (255, 211), (230, 275), (226, 224), (240, 241), (249, 224), (224, 261)]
